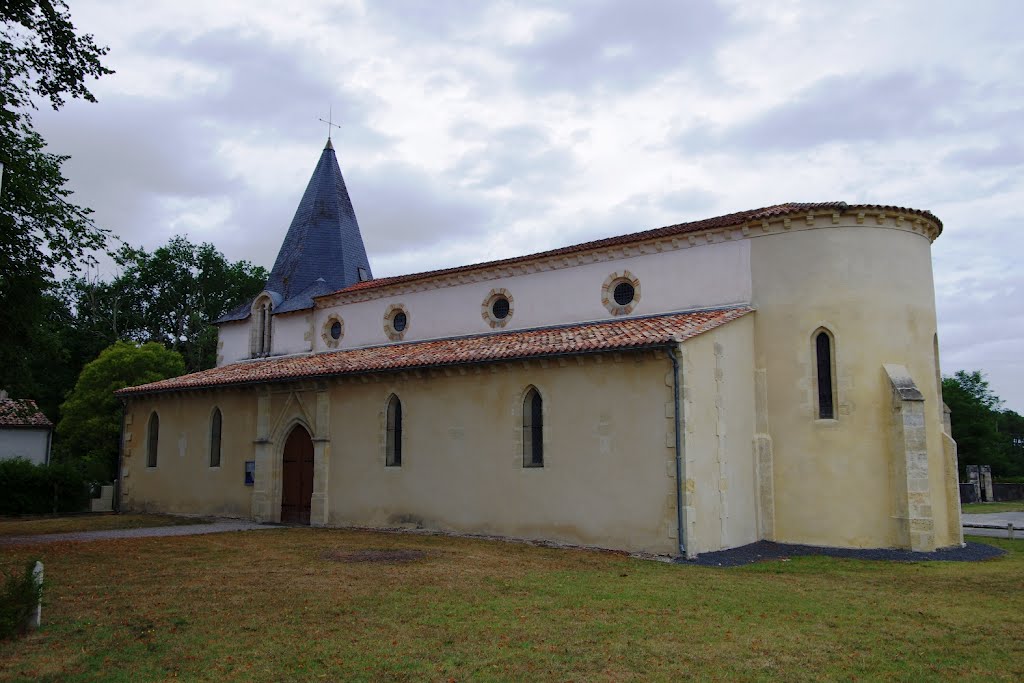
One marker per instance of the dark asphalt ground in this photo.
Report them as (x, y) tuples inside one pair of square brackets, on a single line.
[(766, 550)]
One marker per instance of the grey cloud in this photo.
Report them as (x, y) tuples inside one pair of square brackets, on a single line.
[(623, 45), (1004, 155), (522, 157), (130, 154), (845, 109), (401, 207)]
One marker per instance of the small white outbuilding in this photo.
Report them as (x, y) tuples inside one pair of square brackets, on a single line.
[(24, 431)]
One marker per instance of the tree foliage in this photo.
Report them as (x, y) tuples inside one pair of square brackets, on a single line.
[(170, 296), (41, 59), (90, 424), (984, 434)]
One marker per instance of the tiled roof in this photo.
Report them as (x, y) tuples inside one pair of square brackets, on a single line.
[(610, 335), (732, 219), (21, 412)]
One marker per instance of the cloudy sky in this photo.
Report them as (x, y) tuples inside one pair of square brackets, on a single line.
[(479, 130)]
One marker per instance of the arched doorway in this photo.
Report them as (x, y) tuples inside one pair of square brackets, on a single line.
[(297, 477)]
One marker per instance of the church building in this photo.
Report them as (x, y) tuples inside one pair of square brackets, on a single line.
[(769, 374)]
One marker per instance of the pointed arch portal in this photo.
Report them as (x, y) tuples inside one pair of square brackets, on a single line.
[(297, 477)]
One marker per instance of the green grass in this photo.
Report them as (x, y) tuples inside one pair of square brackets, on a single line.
[(28, 526), (279, 605), (982, 508)]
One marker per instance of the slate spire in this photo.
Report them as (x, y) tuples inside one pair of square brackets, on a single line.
[(323, 250)]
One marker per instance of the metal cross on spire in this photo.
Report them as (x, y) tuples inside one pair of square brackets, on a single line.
[(330, 122)]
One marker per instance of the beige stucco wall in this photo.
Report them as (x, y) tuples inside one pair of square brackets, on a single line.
[(183, 481), (608, 477), (871, 285), (718, 377)]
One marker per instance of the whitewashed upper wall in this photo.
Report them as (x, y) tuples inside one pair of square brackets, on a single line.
[(703, 276), (232, 342), (710, 275)]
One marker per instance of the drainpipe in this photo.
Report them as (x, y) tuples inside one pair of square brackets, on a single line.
[(680, 479)]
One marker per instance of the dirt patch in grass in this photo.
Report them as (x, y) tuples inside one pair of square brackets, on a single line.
[(30, 526), (385, 555)]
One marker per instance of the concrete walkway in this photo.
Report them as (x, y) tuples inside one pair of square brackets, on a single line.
[(994, 524), (217, 527)]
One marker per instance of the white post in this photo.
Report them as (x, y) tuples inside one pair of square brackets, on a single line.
[(1009, 530), (36, 619)]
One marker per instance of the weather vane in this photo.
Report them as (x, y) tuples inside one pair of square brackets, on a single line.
[(330, 121)]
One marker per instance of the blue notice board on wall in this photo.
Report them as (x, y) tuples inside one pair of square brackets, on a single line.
[(250, 472)]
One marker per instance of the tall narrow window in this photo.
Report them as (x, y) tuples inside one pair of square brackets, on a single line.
[(823, 349), (215, 427), (153, 440), (267, 322), (533, 429), (394, 437)]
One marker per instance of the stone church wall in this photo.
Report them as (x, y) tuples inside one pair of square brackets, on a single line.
[(718, 377), (870, 285), (608, 471), (183, 480)]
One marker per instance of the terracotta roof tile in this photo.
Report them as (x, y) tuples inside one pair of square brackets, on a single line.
[(732, 219), (21, 412), (619, 334)]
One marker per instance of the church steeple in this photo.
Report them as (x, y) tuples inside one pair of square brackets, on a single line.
[(323, 249)]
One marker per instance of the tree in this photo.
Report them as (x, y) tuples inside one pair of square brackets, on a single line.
[(170, 296), (974, 413), (90, 425), (41, 58)]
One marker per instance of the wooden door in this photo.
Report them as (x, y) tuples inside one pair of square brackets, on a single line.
[(297, 477)]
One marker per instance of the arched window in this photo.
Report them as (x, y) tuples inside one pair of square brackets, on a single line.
[(153, 440), (823, 349), (215, 429), (533, 429), (394, 436), (262, 322)]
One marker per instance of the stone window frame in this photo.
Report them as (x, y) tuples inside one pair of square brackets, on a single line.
[(261, 335), (386, 441), (520, 422), (486, 308), (216, 418), (152, 439), (816, 387), (608, 290), (329, 340), (389, 316)]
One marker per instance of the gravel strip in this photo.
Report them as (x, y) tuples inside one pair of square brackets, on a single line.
[(766, 550), (181, 530)]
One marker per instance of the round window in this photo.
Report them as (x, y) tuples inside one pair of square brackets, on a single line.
[(336, 330), (624, 293), (399, 321), (500, 308)]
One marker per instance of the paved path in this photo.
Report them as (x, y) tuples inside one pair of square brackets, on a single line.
[(217, 527), (994, 524)]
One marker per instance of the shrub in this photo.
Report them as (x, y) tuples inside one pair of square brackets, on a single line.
[(19, 597), (29, 489)]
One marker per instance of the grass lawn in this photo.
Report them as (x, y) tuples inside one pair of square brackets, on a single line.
[(27, 526), (346, 605), (981, 508)]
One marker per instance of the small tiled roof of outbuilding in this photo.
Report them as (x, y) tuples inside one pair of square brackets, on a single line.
[(21, 412), (728, 220), (581, 338)]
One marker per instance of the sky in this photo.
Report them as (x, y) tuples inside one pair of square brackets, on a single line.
[(477, 130)]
